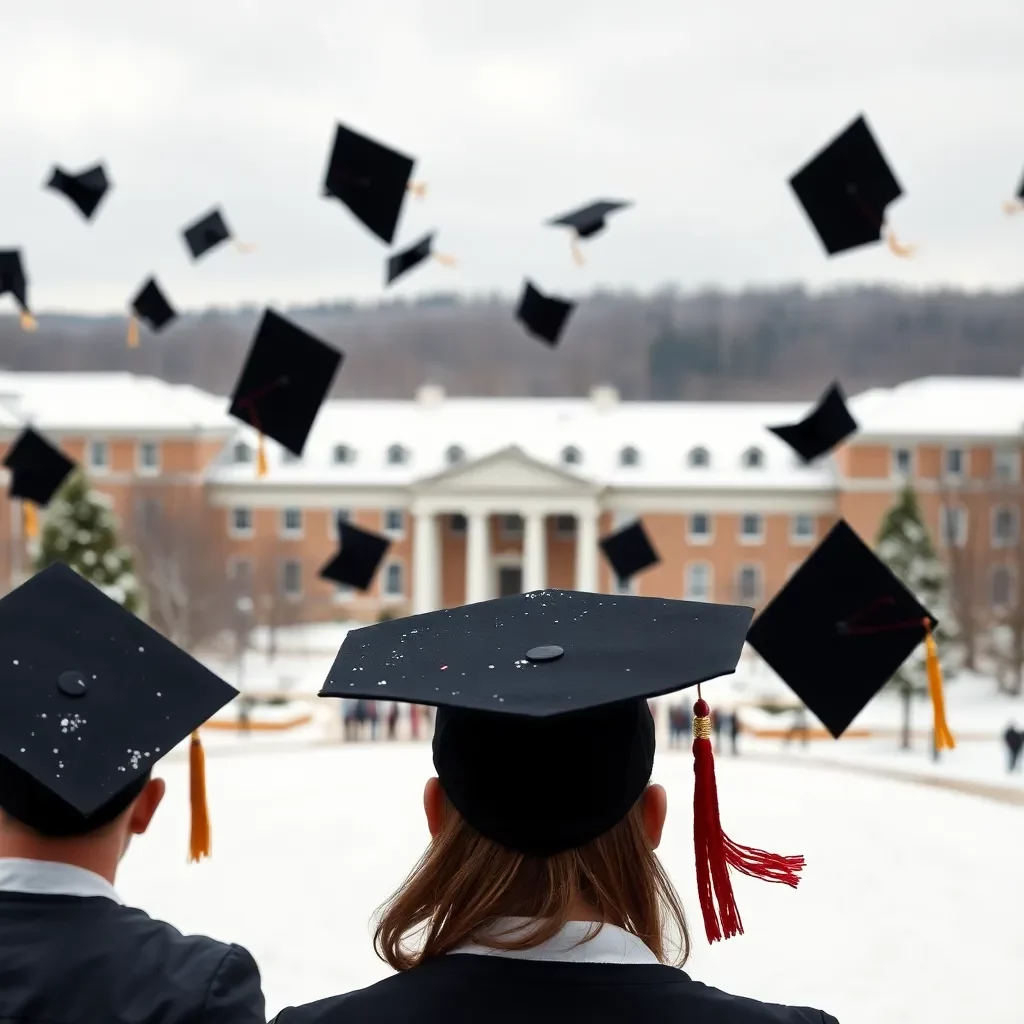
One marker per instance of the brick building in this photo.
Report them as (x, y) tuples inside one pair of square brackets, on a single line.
[(490, 496)]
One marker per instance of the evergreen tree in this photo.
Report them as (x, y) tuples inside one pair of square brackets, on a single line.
[(79, 531), (905, 547)]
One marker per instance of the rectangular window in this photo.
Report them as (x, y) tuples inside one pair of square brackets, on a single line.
[(748, 583), (1005, 527), (147, 514), (1002, 584), (697, 583), (289, 458), (802, 529), (240, 572), (902, 463), (99, 456), (291, 578), (343, 515), (457, 524), (394, 580), (1006, 465), (565, 527), (240, 522), (394, 522), (291, 522), (953, 525), (511, 527), (699, 528), (148, 457), (954, 463), (751, 528)]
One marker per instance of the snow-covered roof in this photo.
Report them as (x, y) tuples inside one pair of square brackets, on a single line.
[(108, 402)]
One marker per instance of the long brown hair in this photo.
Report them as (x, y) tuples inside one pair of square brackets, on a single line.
[(464, 880)]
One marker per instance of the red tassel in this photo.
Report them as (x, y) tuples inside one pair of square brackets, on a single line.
[(716, 852)]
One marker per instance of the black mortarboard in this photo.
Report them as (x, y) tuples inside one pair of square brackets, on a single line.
[(629, 551), (402, 262), (822, 429), (370, 179), (85, 189), (840, 628), (543, 739), (13, 278), (151, 306), (544, 317), (360, 553), (206, 233), (37, 468), (287, 375), (1019, 194), (590, 219), (92, 697), (846, 188)]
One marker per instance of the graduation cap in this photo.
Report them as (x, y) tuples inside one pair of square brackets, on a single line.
[(360, 553), (150, 306), (287, 375), (845, 190), (822, 429), (14, 280), (92, 698), (587, 221), (543, 316), (370, 179), (85, 189), (37, 469), (841, 627), (402, 262), (629, 551), (566, 677), (207, 233)]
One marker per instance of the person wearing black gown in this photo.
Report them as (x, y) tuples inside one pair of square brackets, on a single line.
[(90, 698), (540, 897)]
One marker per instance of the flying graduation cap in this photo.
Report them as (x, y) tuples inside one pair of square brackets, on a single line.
[(401, 263), (544, 317), (85, 189), (629, 551), (92, 699), (286, 377), (821, 430), (37, 468), (841, 627), (13, 280), (587, 221), (370, 179), (207, 233), (360, 553), (566, 676), (150, 306), (845, 191)]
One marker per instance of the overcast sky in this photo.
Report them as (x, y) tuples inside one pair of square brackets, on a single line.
[(698, 112)]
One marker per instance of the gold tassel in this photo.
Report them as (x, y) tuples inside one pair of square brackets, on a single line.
[(1012, 206), (27, 321), (417, 188), (577, 253), (261, 457), (444, 260), (133, 332), (31, 517), (943, 737), (896, 247), (199, 845), (245, 248)]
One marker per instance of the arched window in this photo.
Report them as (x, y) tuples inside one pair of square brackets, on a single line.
[(289, 457), (571, 455), (753, 458), (455, 454), (629, 456), (241, 453), (699, 458), (397, 455), (342, 455)]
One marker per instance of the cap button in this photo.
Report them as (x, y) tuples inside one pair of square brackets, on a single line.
[(72, 684), (549, 652)]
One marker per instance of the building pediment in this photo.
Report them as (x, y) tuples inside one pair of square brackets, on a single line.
[(508, 471)]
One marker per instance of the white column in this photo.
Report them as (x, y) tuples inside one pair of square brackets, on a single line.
[(425, 563), (586, 551), (477, 557), (535, 553)]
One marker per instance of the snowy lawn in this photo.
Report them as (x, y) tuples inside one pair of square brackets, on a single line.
[(908, 910)]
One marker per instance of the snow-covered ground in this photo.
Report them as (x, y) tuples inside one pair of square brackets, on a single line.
[(909, 909)]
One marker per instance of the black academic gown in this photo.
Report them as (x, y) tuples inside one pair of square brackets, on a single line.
[(465, 988), (89, 960)]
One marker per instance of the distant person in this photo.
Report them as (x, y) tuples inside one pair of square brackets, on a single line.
[(1014, 745), (349, 714), (414, 721), (734, 730), (361, 716), (393, 720), (798, 728), (675, 725), (371, 717), (716, 728)]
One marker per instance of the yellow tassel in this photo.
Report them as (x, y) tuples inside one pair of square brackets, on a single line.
[(199, 845), (1012, 206), (444, 260), (133, 332), (245, 247), (417, 188), (261, 457), (943, 737), (27, 321), (577, 253), (31, 518), (896, 247)]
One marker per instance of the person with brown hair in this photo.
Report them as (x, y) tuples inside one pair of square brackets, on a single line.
[(540, 897)]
